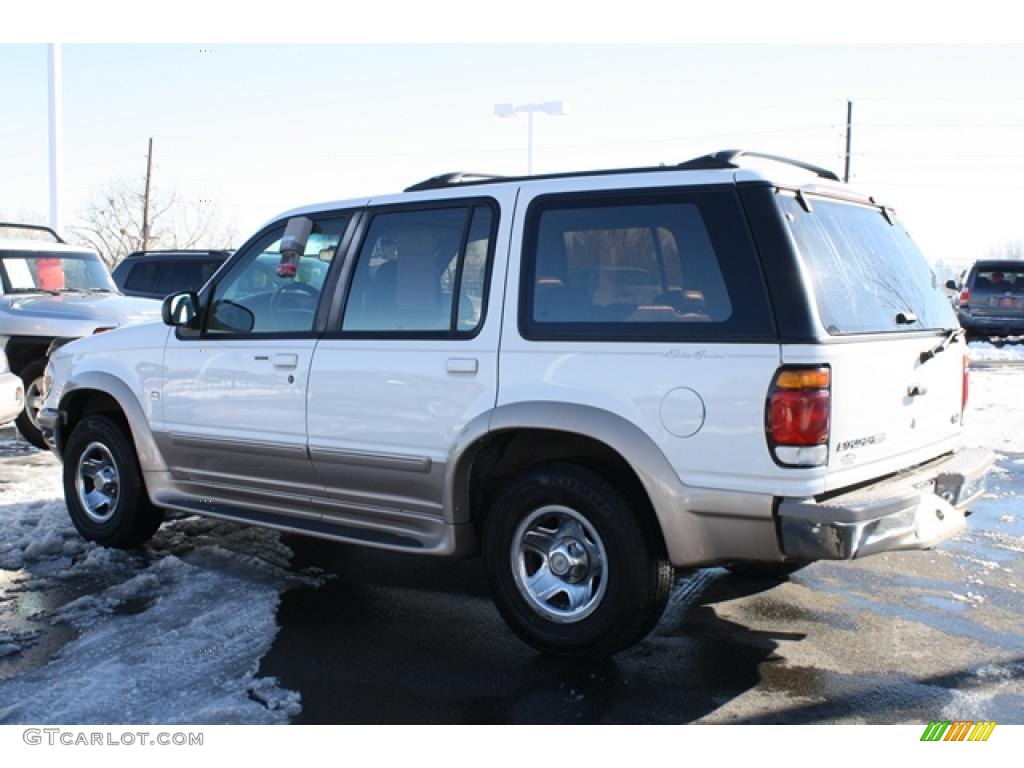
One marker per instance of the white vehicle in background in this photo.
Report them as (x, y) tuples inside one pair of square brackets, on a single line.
[(12, 392), (52, 292), (588, 378)]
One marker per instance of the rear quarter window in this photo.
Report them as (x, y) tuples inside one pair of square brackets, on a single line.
[(664, 265)]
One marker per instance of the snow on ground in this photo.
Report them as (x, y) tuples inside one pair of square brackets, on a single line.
[(995, 409), (173, 633), (984, 351)]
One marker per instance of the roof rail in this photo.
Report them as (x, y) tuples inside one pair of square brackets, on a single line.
[(727, 158), (450, 179), (39, 227)]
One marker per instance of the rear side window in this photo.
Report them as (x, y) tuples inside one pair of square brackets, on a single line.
[(866, 272), (661, 266), (144, 277), (189, 275)]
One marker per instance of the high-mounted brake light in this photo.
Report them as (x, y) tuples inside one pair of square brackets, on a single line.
[(104, 329), (798, 414)]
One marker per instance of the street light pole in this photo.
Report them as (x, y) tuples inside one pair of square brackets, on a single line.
[(56, 135), (511, 110)]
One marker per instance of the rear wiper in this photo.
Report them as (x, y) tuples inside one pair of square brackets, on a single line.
[(906, 318), (950, 338)]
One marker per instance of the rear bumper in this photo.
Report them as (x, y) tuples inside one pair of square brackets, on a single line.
[(914, 510), (994, 326), (12, 397)]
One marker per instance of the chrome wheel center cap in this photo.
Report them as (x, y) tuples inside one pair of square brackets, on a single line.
[(568, 560)]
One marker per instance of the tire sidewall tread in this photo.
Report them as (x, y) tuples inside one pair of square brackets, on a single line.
[(640, 577), (135, 518)]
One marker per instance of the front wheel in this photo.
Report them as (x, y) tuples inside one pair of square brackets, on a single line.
[(35, 393), (575, 569), (103, 486)]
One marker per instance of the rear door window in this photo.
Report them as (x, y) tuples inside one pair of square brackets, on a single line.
[(868, 275), (662, 265), (145, 277)]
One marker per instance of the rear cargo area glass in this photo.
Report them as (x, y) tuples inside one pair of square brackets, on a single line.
[(867, 274)]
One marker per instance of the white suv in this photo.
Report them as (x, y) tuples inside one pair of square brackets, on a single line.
[(589, 378)]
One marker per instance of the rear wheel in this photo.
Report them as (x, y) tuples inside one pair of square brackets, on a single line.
[(575, 569), (103, 486), (35, 393)]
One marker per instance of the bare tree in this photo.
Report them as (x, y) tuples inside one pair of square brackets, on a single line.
[(112, 224), (1011, 249)]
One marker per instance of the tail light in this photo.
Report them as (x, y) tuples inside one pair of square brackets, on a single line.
[(965, 295), (798, 414)]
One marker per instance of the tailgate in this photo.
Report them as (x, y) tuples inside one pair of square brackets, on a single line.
[(890, 411)]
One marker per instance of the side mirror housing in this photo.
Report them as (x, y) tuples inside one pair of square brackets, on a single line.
[(951, 284), (181, 309)]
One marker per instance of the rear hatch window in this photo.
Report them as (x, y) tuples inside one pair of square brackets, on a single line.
[(868, 275)]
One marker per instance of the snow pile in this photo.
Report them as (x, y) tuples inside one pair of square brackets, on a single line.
[(983, 350), (173, 633), (8, 646), (178, 643)]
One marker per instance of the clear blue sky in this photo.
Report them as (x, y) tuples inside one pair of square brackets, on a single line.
[(262, 128)]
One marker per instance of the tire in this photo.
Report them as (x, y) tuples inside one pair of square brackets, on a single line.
[(32, 378), (617, 567), (765, 571), (100, 464)]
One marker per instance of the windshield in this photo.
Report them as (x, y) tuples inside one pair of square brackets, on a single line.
[(868, 275), (24, 272)]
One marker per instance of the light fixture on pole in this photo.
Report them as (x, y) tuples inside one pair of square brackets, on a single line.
[(510, 110)]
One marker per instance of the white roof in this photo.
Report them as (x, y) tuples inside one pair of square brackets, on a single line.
[(21, 244)]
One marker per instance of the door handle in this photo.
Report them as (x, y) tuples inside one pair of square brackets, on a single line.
[(462, 365), (286, 361)]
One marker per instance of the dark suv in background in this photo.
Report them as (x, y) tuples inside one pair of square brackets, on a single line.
[(155, 274), (992, 300)]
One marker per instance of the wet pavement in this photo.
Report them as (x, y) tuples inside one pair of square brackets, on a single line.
[(375, 637)]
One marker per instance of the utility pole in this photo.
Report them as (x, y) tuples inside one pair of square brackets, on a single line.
[(145, 201), (849, 132), (56, 134)]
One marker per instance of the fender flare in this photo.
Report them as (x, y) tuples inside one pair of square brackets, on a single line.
[(150, 458)]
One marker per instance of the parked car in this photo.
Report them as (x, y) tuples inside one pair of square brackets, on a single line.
[(12, 393), (588, 378), (51, 292), (991, 304), (156, 274)]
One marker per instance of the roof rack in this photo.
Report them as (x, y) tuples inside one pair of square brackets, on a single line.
[(39, 227), (727, 158), (723, 159), (180, 250), (450, 179)]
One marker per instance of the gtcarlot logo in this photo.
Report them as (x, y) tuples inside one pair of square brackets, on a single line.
[(77, 738)]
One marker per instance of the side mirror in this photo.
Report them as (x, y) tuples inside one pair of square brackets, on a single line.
[(951, 285), (181, 309)]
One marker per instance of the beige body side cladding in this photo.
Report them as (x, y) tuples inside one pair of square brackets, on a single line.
[(699, 526)]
